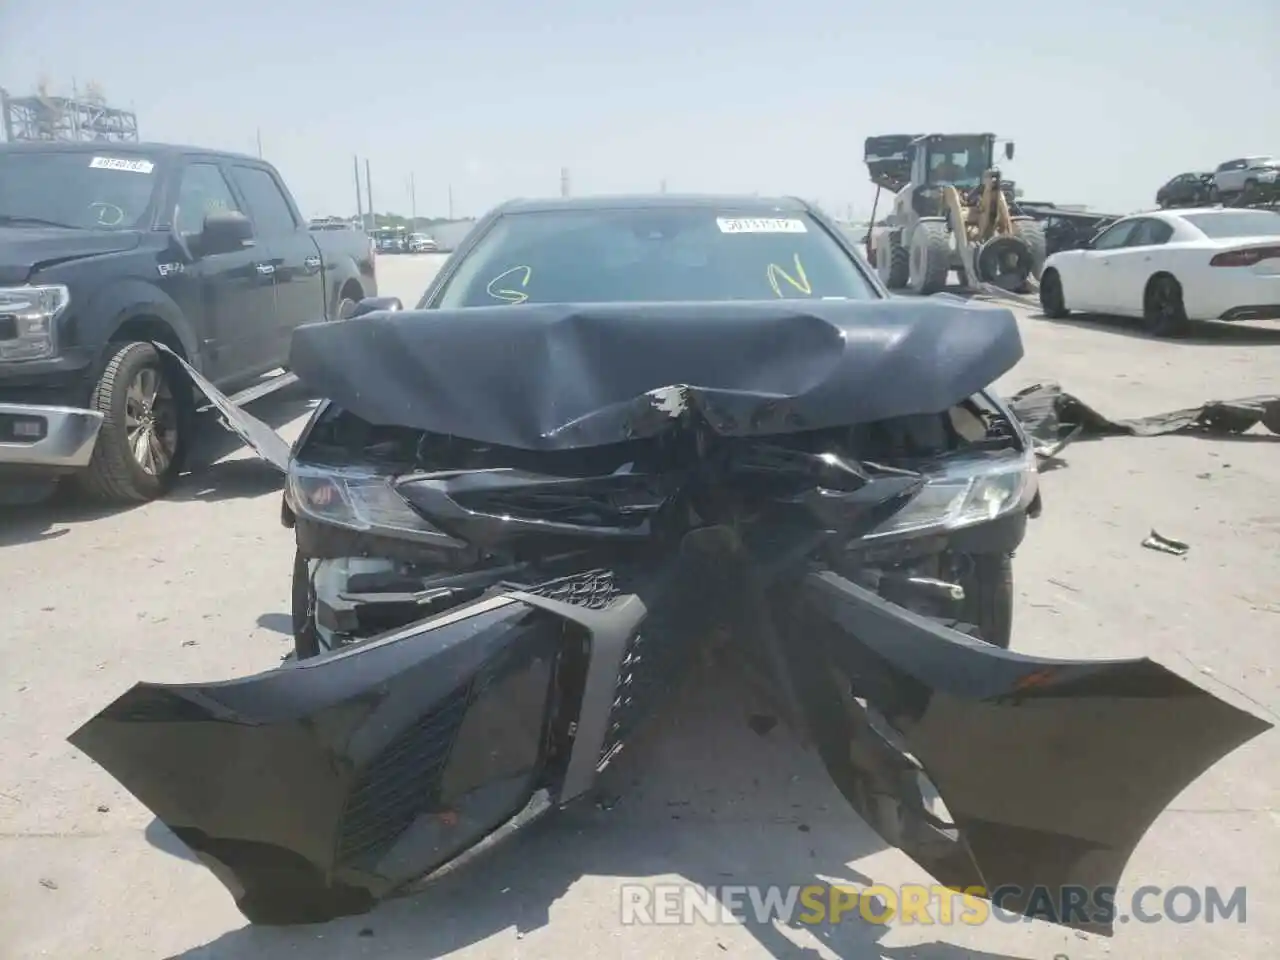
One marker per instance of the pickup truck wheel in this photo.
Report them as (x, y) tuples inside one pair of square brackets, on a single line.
[(145, 429), (306, 642), (346, 306)]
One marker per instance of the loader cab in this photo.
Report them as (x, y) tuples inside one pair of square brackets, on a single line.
[(957, 159)]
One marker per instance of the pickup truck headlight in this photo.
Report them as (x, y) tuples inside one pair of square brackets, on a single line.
[(356, 500), (29, 321), (966, 491)]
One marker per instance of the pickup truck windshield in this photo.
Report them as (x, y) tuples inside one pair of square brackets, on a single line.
[(85, 191), (654, 254)]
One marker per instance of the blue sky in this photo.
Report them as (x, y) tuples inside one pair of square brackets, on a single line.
[(493, 97)]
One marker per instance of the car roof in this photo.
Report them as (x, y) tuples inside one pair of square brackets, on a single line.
[(740, 204), (165, 150), (1212, 211)]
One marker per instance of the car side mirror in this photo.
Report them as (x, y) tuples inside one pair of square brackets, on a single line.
[(1008, 150), (1085, 244), (225, 232), (375, 304)]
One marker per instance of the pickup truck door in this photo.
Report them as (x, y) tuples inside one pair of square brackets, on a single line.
[(299, 271), (1095, 281), (229, 297)]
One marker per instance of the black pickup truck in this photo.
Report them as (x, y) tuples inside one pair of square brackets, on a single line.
[(106, 249)]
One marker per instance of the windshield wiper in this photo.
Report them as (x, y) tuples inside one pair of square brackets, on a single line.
[(7, 220)]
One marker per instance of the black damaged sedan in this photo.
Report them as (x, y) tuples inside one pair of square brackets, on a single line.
[(611, 430)]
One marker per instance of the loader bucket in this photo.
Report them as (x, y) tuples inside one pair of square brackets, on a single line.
[(888, 160)]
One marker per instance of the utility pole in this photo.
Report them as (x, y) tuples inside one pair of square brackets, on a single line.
[(564, 181), (259, 143), (451, 201), (368, 194), (359, 208), (662, 187), (413, 204)]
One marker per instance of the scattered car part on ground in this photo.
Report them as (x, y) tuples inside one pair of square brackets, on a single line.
[(1054, 418), (951, 212), (1169, 267), (1158, 542), (107, 248), (630, 481)]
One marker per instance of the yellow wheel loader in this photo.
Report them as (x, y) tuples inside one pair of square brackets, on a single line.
[(951, 212)]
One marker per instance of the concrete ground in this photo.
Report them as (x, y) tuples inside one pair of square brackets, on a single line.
[(196, 587)]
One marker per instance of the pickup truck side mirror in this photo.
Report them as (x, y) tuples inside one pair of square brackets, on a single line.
[(374, 304), (225, 232)]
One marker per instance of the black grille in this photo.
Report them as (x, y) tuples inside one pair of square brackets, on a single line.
[(651, 668), (594, 589), (403, 781)]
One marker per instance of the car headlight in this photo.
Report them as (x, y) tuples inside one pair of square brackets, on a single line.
[(964, 492), (357, 500), (29, 321)]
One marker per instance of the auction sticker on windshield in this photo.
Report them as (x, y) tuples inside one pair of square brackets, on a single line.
[(760, 225), (119, 163)]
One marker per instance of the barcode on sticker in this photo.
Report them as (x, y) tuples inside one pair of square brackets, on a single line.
[(119, 163), (760, 225)]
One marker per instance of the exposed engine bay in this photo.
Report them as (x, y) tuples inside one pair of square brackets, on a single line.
[(356, 593)]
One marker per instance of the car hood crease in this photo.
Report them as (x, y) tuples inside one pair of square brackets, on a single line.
[(561, 377)]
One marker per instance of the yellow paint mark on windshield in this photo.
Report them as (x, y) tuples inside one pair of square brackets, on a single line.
[(800, 281), (506, 293)]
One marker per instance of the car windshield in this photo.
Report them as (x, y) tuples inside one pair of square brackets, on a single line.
[(654, 254), (79, 190), (1236, 223)]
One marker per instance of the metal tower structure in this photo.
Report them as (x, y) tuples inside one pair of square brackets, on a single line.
[(87, 117)]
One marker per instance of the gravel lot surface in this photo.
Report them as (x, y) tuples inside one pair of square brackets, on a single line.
[(196, 587)]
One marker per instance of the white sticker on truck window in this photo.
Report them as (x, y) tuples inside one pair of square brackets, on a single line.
[(760, 225), (119, 163)]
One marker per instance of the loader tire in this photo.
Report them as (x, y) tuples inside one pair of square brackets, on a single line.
[(896, 267), (1032, 234), (930, 257)]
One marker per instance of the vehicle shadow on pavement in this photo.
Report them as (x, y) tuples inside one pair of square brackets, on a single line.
[(1201, 333), (709, 796), (34, 522)]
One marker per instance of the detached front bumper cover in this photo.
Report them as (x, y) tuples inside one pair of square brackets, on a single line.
[(314, 790)]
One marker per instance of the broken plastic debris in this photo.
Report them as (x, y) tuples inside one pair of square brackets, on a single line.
[(1165, 544)]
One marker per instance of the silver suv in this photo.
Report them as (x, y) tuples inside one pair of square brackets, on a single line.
[(1245, 173)]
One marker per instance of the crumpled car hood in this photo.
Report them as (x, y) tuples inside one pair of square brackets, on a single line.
[(562, 377)]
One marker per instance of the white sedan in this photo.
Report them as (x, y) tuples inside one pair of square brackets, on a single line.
[(1170, 266)]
